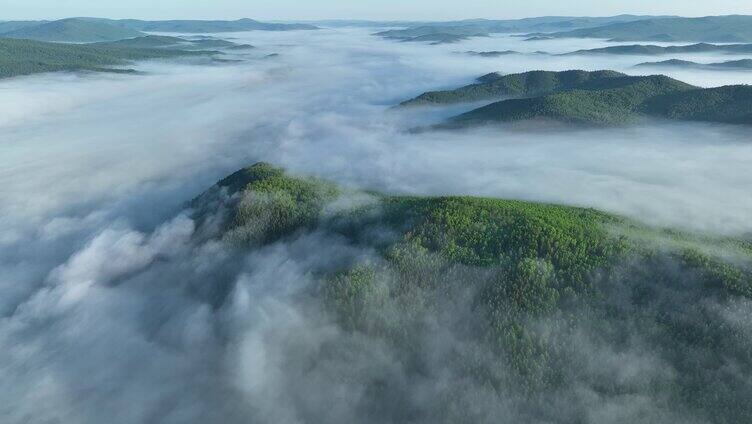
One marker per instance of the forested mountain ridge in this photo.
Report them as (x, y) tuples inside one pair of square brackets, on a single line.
[(649, 97), (730, 104), (721, 29), (590, 98), (72, 30), (615, 103), (208, 26), (653, 50), (171, 42), (741, 64), (485, 27), (88, 30), (25, 57), (494, 271), (526, 84)]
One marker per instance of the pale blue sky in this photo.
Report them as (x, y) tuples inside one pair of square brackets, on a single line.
[(361, 9)]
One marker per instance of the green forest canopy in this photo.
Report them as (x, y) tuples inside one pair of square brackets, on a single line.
[(521, 264)]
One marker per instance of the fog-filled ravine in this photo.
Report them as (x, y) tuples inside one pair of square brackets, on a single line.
[(127, 295)]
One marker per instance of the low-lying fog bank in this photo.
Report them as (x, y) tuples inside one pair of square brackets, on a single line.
[(76, 144)]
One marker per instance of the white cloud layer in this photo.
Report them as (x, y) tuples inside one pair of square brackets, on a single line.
[(111, 312)]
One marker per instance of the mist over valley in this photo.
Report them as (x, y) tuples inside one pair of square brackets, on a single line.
[(276, 222)]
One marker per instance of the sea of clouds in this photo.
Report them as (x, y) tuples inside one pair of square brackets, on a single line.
[(111, 311)]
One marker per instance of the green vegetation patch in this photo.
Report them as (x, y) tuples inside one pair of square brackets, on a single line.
[(526, 84), (605, 102), (602, 98), (653, 50), (25, 57), (272, 204), (73, 30), (538, 287), (168, 42), (729, 104), (470, 231)]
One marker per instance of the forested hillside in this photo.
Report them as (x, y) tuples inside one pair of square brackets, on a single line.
[(24, 57), (526, 84), (600, 98), (521, 282)]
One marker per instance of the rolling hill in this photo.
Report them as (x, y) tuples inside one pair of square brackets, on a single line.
[(87, 30), (24, 57), (492, 53), (729, 104), (74, 30), (732, 65), (593, 98), (168, 42), (423, 33), (484, 27), (612, 101), (721, 29), (526, 84), (514, 286), (147, 41), (653, 50), (435, 39), (201, 26), (8, 26)]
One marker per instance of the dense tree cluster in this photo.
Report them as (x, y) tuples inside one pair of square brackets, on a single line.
[(24, 57), (530, 293)]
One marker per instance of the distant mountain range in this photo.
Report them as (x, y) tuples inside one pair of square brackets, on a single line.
[(485, 27), (196, 26), (653, 50), (87, 30), (439, 38), (494, 53), (25, 57), (592, 98), (742, 64), (361, 23), (721, 29), (169, 42), (72, 30), (8, 26)]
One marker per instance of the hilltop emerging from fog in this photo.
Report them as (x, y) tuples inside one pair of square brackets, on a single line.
[(485, 273), (592, 98), (25, 57)]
